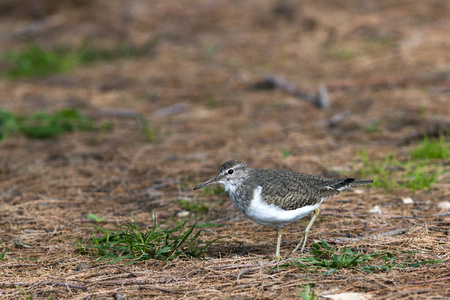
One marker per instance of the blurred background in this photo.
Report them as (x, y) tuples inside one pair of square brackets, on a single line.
[(200, 73)]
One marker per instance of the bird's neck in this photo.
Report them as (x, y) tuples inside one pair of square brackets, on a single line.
[(232, 186)]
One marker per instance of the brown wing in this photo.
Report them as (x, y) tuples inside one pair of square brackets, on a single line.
[(291, 190)]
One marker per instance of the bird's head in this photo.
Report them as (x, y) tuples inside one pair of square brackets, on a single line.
[(230, 174)]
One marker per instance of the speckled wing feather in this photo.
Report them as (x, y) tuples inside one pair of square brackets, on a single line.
[(291, 190)]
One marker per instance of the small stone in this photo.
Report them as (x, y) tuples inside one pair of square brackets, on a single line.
[(349, 296), (359, 191), (407, 200), (119, 296), (445, 205), (376, 210), (183, 213)]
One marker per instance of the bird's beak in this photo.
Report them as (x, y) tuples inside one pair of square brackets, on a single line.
[(207, 182)]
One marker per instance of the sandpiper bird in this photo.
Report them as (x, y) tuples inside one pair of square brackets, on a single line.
[(277, 197)]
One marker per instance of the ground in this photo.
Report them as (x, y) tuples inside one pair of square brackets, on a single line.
[(198, 82)]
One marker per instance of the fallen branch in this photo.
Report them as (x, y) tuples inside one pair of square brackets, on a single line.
[(68, 285), (431, 280), (373, 236), (385, 81), (159, 289), (117, 113), (320, 100), (271, 264)]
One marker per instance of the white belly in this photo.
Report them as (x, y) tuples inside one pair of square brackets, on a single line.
[(271, 215)]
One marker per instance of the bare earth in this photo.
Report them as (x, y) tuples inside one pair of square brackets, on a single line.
[(385, 64)]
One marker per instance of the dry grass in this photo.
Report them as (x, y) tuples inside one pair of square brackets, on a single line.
[(385, 63)]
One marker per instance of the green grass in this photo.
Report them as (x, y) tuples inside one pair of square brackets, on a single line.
[(129, 241), (192, 206), (372, 127), (43, 125), (26, 295), (213, 190), (420, 178), (342, 53), (324, 256), (3, 253), (95, 218), (149, 132), (36, 61), (416, 173), (8, 124), (308, 294), (432, 149), (380, 171)]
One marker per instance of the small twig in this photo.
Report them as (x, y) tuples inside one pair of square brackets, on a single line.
[(117, 267), (117, 113), (338, 118), (320, 100), (243, 272), (69, 285), (159, 289), (18, 266), (442, 214), (385, 81), (249, 265), (374, 236), (431, 280)]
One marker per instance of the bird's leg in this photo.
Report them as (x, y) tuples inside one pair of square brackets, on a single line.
[(305, 235), (277, 253)]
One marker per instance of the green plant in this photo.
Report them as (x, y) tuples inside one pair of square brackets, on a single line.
[(209, 190), (420, 179), (391, 260), (432, 149), (147, 130), (130, 241), (41, 125), (372, 127), (286, 153), (308, 294), (341, 53), (330, 258), (24, 293), (8, 124), (36, 61), (95, 218), (381, 172), (192, 206), (325, 256), (2, 254), (390, 173)]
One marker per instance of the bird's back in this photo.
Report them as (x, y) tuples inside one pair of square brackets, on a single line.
[(291, 190)]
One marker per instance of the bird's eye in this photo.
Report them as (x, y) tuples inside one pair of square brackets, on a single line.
[(230, 171)]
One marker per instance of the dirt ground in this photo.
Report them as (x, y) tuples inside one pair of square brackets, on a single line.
[(386, 66)]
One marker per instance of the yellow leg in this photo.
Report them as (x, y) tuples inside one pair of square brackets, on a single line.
[(277, 253), (305, 235)]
